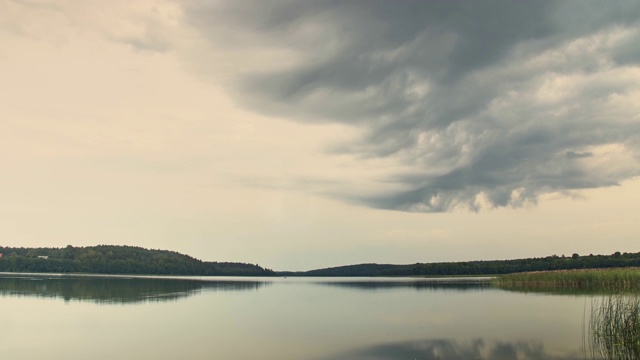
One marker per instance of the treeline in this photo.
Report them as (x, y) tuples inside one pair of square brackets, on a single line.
[(106, 259), (492, 267)]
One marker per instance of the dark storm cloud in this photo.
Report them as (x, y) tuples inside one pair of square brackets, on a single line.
[(490, 103)]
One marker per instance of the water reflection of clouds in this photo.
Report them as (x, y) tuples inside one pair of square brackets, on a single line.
[(443, 349), (116, 290)]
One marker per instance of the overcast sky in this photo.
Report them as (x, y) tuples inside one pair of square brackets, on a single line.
[(306, 134)]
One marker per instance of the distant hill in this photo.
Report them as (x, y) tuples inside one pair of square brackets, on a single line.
[(491, 267), (108, 259)]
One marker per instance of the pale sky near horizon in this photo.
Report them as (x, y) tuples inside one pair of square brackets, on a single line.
[(307, 134)]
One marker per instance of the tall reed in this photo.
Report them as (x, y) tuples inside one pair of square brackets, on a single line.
[(614, 328), (619, 279)]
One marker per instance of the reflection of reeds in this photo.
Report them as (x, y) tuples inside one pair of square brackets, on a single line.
[(614, 328)]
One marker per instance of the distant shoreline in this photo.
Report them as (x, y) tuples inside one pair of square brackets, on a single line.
[(130, 260)]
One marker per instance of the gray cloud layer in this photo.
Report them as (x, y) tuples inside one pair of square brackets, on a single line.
[(490, 103)]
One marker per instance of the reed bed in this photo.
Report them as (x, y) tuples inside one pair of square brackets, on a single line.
[(618, 279), (614, 328)]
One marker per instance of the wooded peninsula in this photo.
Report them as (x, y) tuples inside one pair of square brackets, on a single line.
[(107, 259), (111, 259)]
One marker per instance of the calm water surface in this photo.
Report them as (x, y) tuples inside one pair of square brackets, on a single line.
[(86, 317)]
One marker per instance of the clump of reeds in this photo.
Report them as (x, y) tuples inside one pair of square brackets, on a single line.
[(619, 279), (615, 328)]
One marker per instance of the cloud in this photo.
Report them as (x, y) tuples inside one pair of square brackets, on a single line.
[(487, 104), (577, 155)]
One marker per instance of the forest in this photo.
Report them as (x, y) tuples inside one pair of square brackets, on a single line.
[(490, 267), (109, 259)]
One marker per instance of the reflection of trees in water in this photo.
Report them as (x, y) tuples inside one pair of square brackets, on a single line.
[(614, 327), (431, 284), (115, 289), (443, 349)]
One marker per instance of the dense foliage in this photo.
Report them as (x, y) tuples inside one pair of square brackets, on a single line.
[(483, 267), (105, 259)]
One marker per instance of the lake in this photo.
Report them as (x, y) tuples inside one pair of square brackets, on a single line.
[(112, 317)]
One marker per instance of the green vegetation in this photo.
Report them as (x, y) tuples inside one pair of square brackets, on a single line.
[(104, 259), (494, 267), (616, 279), (614, 324), (614, 328)]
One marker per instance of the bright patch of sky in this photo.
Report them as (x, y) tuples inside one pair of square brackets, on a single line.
[(306, 134)]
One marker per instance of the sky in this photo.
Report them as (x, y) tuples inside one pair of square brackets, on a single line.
[(308, 134)]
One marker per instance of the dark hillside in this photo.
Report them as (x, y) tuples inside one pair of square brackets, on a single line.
[(108, 259), (491, 267)]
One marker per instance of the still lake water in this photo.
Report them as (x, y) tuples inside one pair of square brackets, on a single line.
[(86, 317)]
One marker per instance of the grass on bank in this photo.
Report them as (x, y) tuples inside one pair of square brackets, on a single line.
[(614, 324), (612, 278)]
